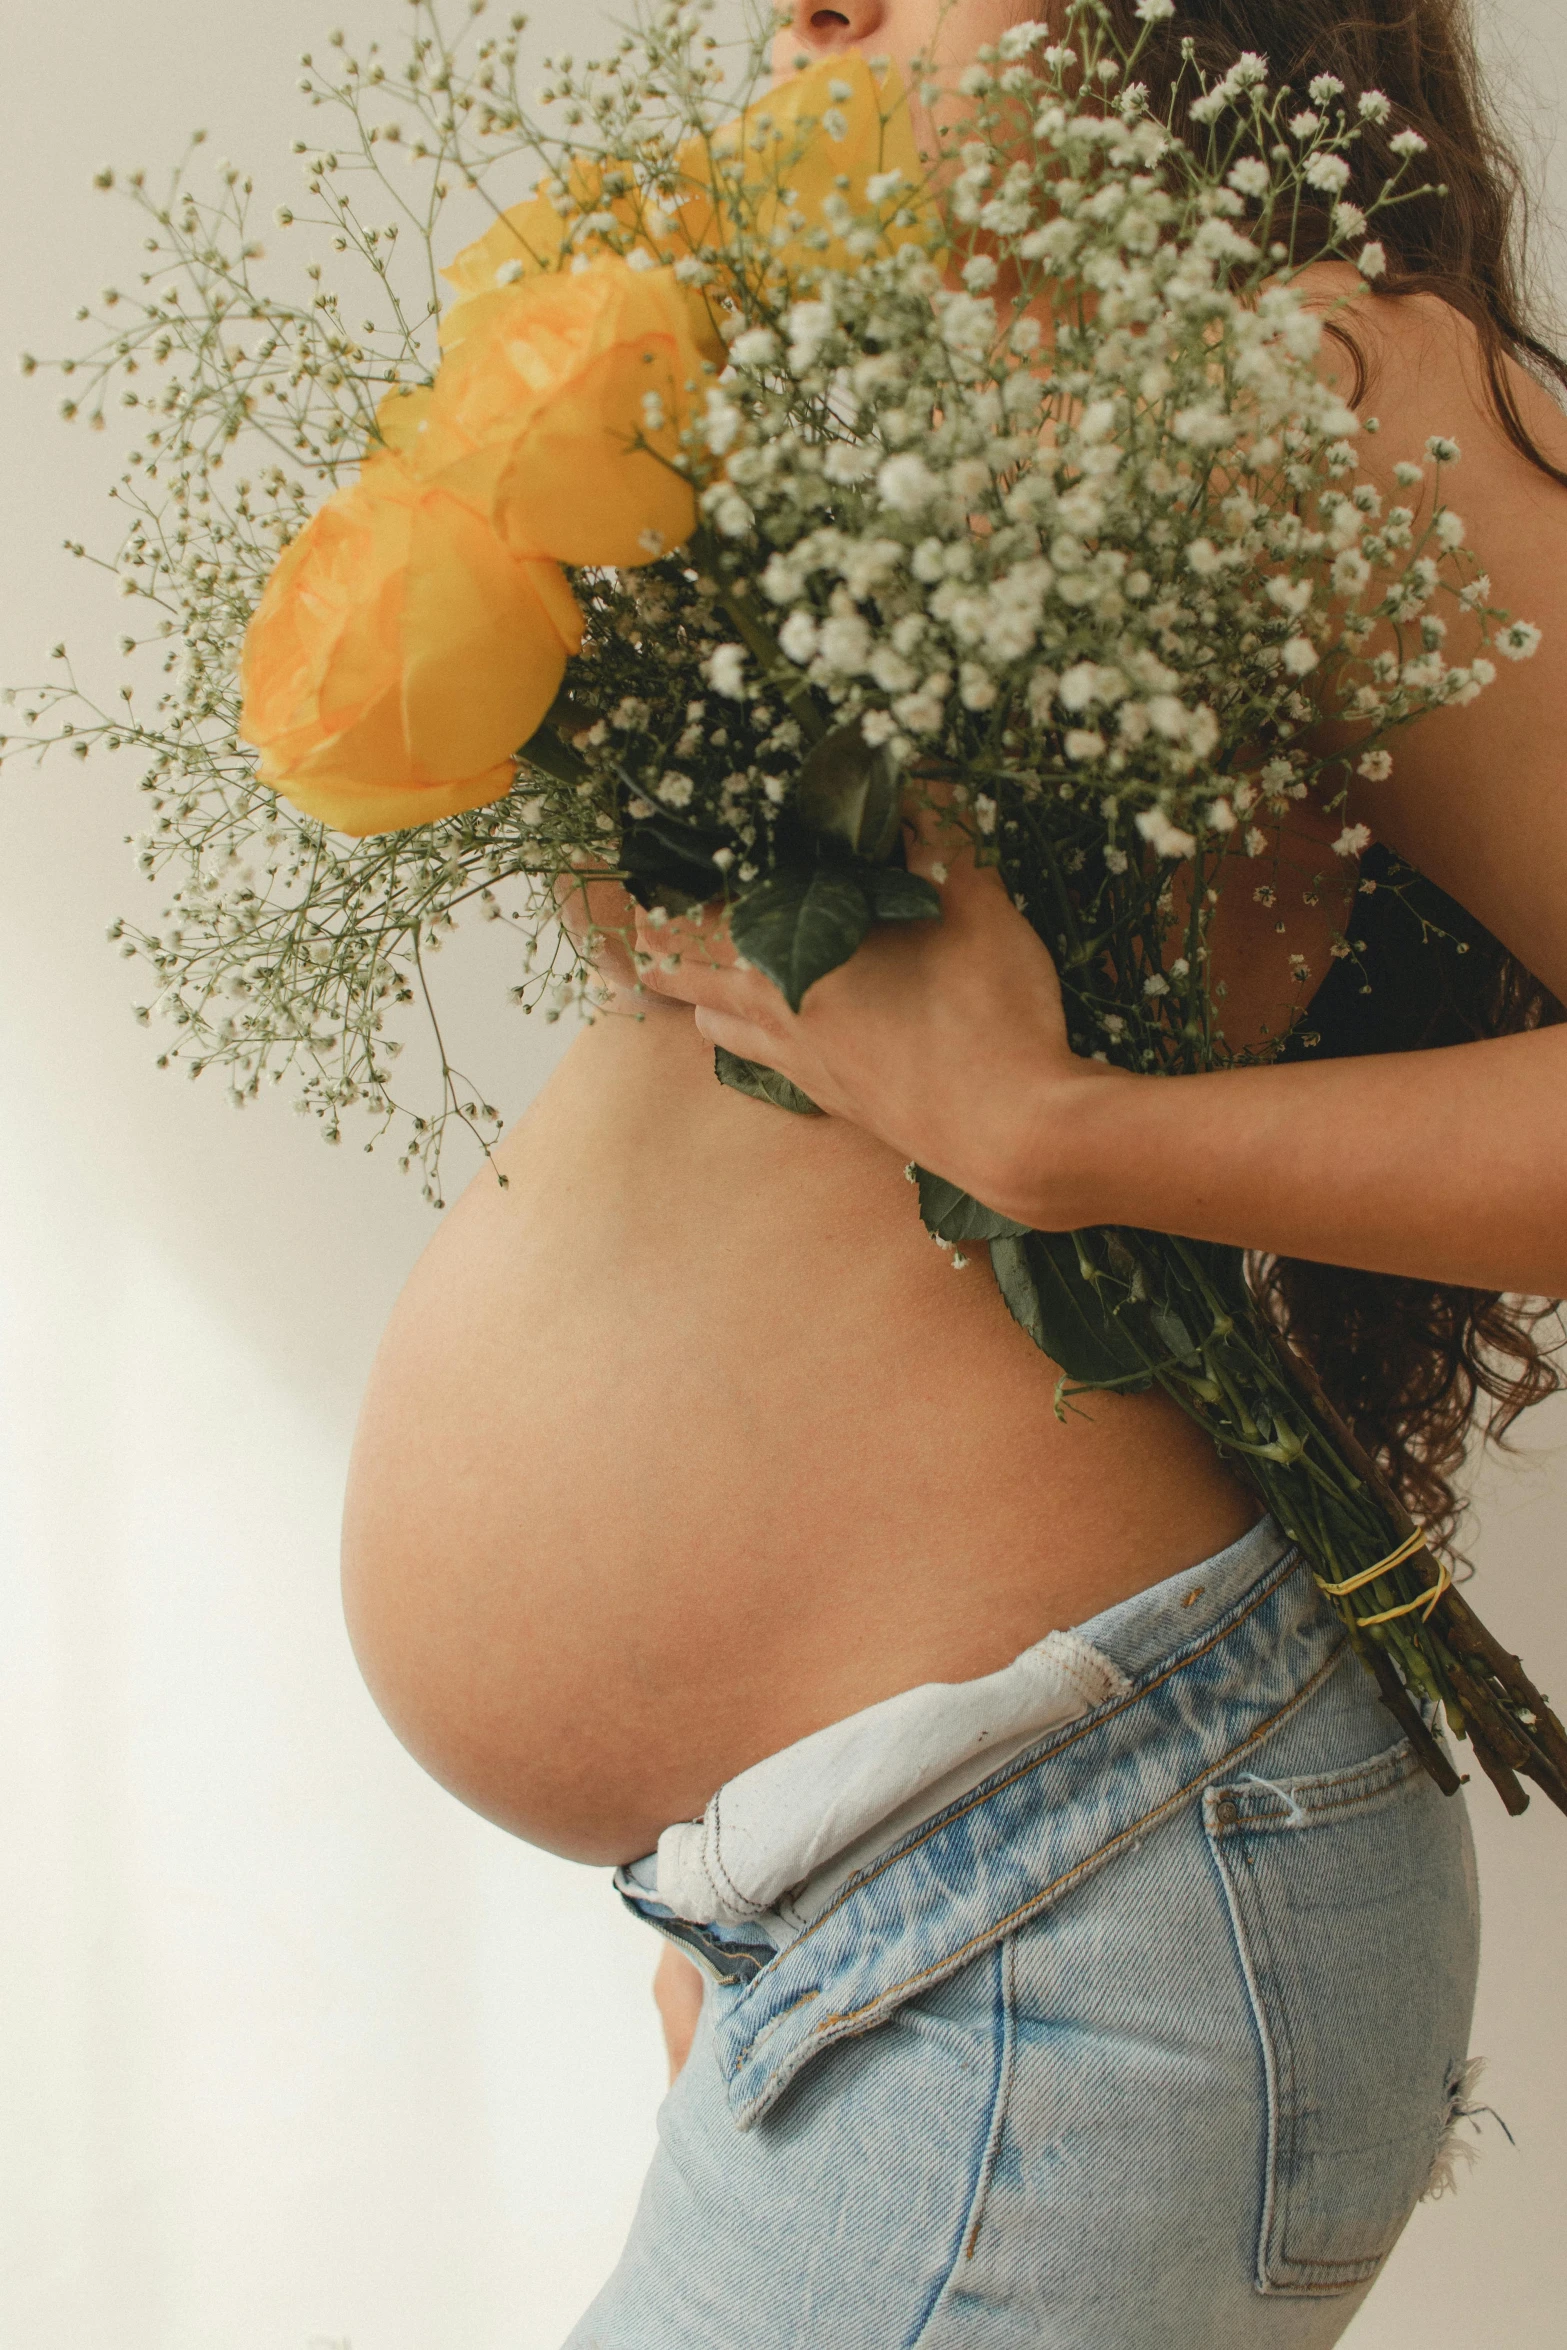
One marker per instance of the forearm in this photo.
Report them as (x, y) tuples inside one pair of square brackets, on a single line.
[(1446, 1166)]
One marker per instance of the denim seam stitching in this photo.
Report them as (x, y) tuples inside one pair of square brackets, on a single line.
[(979, 2191), (1361, 2261), (1006, 1969), (1017, 1917), (740, 1900), (1274, 2060), (773, 2022), (1093, 1677), (1060, 1746), (1276, 2266)]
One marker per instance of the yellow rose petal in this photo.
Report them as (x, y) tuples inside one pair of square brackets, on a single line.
[(534, 239), (399, 657), (530, 238), (401, 418), (538, 409), (799, 139)]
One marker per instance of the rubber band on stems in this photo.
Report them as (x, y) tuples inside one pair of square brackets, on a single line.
[(1423, 1604)]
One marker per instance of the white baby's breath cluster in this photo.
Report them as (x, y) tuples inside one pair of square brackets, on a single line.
[(1065, 506), (1074, 514), (249, 357)]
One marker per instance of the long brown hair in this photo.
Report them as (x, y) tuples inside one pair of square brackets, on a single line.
[(1413, 1365)]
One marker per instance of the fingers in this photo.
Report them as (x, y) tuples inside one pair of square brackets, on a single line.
[(677, 1994), (690, 978), (599, 919), (704, 936), (732, 1005), (939, 843), (939, 829), (736, 1035), (933, 823), (695, 962)]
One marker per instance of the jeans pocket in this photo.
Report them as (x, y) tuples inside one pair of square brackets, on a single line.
[(1353, 1901)]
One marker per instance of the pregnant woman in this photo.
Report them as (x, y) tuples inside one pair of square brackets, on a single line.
[(1039, 1873)]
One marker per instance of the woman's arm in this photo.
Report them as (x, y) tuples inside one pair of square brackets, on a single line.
[(947, 1040), (1448, 1166)]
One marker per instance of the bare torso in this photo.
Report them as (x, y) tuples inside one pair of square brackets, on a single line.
[(688, 1441)]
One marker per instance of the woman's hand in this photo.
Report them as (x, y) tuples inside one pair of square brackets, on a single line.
[(677, 1994), (944, 1039)]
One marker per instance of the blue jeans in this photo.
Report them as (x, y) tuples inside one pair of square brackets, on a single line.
[(1148, 2042)]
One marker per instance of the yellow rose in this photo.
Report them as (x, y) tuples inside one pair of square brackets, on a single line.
[(534, 239), (801, 139), (549, 228), (797, 138), (400, 656), (529, 240), (536, 409), (400, 420)]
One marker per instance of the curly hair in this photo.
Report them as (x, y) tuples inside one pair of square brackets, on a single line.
[(1464, 235), (1416, 1367)]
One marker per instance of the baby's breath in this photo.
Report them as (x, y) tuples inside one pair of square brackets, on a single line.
[(1070, 509)]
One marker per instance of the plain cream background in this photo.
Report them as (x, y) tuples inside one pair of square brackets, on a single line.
[(293, 2050)]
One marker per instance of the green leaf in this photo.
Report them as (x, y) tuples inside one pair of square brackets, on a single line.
[(796, 927), (1040, 1276), (669, 861), (1015, 1280), (761, 1083), (955, 1216), (545, 750), (1174, 1332), (852, 793), (898, 896)]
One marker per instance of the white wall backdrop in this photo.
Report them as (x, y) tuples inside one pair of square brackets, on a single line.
[(294, 2052)]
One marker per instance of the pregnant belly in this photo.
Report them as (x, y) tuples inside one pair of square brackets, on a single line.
[(688, 1441)]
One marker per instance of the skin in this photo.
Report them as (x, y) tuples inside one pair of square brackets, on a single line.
[(677, 1994), (792, 1463), (943, 34), (947, 1040)]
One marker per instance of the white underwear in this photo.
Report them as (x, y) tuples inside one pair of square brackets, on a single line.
[(776, 1842)]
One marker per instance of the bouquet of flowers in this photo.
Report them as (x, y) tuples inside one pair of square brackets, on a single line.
[(764, 479)]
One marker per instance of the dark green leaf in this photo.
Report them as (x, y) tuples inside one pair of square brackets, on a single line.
[(1040, 1277), (1173, 1331), (796, 927), (552, 757), (1015, 1280), (761, 1083), (955, 1216), (898, 896), (851, 792), (669, 863)]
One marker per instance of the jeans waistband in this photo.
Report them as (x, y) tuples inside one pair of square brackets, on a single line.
[(1137, 1632), (1217, 1658)]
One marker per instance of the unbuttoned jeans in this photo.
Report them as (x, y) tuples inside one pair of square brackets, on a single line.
[(1148, 2042)]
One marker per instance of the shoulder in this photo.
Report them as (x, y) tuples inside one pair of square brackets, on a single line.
[(1478, 795), (1424, 368)]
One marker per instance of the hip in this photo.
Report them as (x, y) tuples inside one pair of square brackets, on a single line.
[(1116, 2048)]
